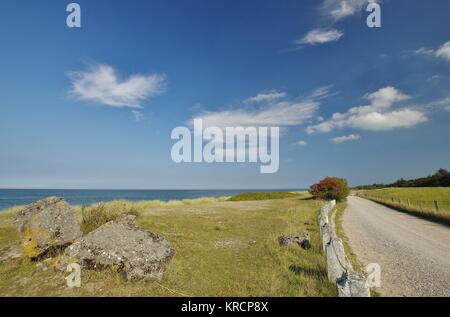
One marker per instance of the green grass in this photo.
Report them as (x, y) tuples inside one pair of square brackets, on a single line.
[(418, 201), (221, 249), (267, 196)]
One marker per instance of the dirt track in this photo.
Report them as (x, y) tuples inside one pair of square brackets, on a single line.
[(414, 254)]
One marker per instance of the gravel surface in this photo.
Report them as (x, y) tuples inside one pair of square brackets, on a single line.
[(414, 254)]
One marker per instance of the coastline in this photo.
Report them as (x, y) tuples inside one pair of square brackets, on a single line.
[(15, 199)]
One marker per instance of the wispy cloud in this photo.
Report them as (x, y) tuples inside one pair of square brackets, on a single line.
[(346, 138), (442, 52), (268, 96), (439, 104), (281, 113), (319, 36), (137, 115), (101, 84), (341, 9), (377, 116), (301, 143)]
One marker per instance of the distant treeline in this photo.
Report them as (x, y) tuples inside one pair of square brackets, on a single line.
[(439, 179)]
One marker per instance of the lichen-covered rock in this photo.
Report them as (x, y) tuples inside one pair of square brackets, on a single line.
[(47, 225), (138, 254)]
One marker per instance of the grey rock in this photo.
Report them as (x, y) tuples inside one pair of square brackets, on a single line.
[(353, 284), (47, 225), (337, 264), (301, 240), (136, 253), (326, 236)]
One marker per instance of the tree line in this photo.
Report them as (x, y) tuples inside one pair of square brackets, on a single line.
[(439, 179)]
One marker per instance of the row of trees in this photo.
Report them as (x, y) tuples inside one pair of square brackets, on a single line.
[(337, 188), (439, 179)]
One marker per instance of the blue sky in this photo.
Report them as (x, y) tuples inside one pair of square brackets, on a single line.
[(94, 107)]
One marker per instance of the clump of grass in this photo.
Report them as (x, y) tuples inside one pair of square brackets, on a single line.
[(97, 215), (265, 196), (10, 212)]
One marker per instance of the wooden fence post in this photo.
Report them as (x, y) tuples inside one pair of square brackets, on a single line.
[(436, 205)]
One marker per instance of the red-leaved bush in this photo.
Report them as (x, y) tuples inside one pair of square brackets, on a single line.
[(330, 188)]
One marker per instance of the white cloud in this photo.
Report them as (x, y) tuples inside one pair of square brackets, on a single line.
[(346, 138), (441, 52), (444, 51), (101, 84), (137, 115), (284, 113), (340, 9), (443, 103), (424, 51), (269, 96), (320, 36), (377, 116), (301, 143), (278, 113)]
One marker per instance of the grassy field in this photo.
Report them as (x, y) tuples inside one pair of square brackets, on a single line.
[(222, 248), (430, 202), (267, 196)]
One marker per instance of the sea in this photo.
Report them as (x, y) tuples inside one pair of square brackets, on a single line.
[(17, 197)]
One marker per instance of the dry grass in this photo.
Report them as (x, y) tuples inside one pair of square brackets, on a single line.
[(221, 249), (267, 196), (432, 203)]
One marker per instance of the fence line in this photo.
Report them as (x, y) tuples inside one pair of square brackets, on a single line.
[(348, 282), (422, 205)]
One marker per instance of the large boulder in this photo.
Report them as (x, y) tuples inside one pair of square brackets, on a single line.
[(138, 254), (47, 225)]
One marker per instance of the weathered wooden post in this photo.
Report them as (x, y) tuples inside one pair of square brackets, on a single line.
[(436, 205)]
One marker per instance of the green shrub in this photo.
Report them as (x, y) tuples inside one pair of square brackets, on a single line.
[(330, 188)]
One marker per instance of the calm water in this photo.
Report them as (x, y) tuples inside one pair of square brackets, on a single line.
[(14, 197)]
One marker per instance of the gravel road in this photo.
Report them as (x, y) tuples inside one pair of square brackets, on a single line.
[(414, 254)]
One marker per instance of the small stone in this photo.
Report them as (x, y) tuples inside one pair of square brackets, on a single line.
[(301, 240)]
